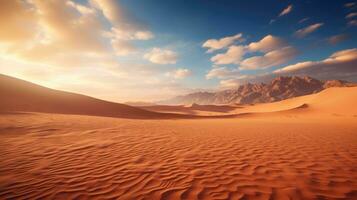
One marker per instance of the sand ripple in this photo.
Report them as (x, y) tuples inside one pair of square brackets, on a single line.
[(54, 157)]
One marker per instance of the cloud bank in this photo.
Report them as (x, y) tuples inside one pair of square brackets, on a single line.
[(91, 47), (339, 65)]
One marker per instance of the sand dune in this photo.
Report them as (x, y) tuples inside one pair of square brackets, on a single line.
[(19, 95), (301, 148), (332, 101)]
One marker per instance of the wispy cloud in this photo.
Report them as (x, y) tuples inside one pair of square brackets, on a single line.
[(338, 38), (286, 11), (350, 5), (303, 20), (351, 15), (272, 21), (352, 23), (307, 30)]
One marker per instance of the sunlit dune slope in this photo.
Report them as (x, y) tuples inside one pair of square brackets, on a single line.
[(337, 100), (19, 95)]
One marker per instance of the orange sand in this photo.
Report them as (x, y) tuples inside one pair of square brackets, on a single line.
[(301, 148)]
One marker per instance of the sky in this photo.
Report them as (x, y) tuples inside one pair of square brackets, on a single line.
[(134, 50)]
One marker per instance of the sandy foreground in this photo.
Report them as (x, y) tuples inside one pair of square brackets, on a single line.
[(299, 149)]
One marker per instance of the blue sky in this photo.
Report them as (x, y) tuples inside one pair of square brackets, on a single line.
[(131, 50), (193, 22)]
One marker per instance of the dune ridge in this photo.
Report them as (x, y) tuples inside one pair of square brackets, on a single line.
[(19, 95)]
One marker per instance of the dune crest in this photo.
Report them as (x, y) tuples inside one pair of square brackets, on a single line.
[(336, 100), (19, 95)]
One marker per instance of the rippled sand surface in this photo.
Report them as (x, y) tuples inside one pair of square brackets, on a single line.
[(52, 156)]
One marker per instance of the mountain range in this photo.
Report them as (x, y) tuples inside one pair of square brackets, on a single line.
[(280, 88)]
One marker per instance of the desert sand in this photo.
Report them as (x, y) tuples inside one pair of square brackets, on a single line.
[(300, 148)]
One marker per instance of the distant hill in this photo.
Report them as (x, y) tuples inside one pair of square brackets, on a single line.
[(278, 89)]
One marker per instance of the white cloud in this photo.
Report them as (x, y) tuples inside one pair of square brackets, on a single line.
[(81, 8), (339, 65), (46, 29), (233, 55), (122, 47), (286, 11), (294, 67), (221, 73), (74, 45), (344, 55), (267, 44), (127, 35), (117, 16), (272, 58), (276, 52), (143, 35), (180, 73), (307, 30), (214, 44), (124, 26), (161, 56)]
